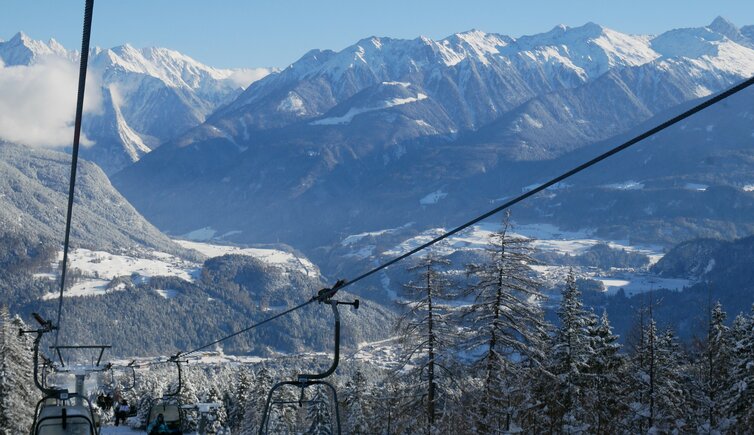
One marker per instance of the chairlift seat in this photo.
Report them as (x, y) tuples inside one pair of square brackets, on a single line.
[(78, 421)]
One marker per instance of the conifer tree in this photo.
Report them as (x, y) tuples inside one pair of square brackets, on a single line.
[(263, 381), (318, 414), (355, 405), (571, 353), (504, 319), (740, 403), (17, 392), (661, 392), (427, 335), (242, 399), (603, 390), (713, 370)]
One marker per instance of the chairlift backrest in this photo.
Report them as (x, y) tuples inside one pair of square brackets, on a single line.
[(171, 413), (64, 420)]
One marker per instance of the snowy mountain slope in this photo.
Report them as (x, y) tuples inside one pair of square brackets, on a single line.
[(33, 200), (150, 95)]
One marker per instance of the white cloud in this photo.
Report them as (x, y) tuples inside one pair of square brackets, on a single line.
[(246, 76), (38, 102)]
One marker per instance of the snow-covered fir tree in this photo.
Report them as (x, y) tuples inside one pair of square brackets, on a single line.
[(252, 416), (740, 396), (241, 399), (505, 322), (318, 413), (712, 375), (570, 354), (603, 385), (355, 405)]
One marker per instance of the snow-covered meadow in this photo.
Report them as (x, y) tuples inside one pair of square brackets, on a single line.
[(95, 270)]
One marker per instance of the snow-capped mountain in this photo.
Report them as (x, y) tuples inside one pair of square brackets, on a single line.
[(149, 95), (356, 140)]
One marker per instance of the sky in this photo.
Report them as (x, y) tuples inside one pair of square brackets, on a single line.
[(247, 33)]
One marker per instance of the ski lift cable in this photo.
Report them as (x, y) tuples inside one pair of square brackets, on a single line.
[(88, 9), (327, 293)]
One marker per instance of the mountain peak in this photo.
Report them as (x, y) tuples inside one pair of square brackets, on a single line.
[(726, 28), (20, 37), (23, 50), (722, 25)]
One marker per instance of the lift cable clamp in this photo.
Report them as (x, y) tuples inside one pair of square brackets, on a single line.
[(324, 295)]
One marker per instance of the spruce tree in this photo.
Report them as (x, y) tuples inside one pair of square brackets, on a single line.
[(252, 417), (242, 400), (661, 393)]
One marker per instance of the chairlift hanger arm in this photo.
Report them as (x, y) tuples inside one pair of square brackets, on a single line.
[(45, 327), (336, 354), (177, 362)]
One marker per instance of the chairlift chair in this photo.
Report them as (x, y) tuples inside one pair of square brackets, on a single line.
[(305, 381), (169, 406), (54, 415)]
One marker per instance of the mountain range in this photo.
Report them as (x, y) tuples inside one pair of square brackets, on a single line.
[(389, 131)]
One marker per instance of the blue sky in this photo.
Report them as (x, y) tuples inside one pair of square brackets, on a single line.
[(236, 33)]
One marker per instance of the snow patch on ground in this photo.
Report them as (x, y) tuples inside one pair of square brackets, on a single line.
[(626, 185), (696, 186), (639, 283), (433, 198), (293, 104), (167, 293), (549, 238), (355, 111), (355, 238), (401, 84), (94, 287), (98, 268), (200, 235)]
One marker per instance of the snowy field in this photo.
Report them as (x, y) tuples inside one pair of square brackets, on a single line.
[(270, 256), (99, 268)]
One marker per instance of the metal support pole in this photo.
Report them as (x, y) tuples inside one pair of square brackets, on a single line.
[(80, 389)]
